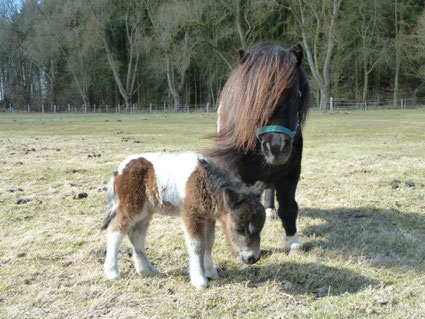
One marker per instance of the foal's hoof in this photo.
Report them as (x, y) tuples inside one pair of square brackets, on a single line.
[(199, 283), (211, 273), (151, 271), (112, 275), (271, 213)]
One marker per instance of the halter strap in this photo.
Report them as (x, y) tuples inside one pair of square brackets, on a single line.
[(278, 128)]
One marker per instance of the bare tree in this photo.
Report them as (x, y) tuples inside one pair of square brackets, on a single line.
[(321, 73), (125, 75)]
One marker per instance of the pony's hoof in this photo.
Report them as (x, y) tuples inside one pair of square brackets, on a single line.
[(293, 243), (271, 213)]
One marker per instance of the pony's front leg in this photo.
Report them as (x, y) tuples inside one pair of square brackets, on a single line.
[(288, 212), (195, 241), (269, 203), (210, 271)]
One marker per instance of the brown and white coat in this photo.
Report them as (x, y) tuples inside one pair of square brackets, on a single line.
[(189, 185)]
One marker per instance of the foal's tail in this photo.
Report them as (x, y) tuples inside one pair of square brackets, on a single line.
[(113, 202)]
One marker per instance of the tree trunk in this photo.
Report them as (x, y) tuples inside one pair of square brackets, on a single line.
[(324, 99), (365, 78), (397, 55), (239, 24)]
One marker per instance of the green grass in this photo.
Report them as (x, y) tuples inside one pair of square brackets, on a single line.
[(364, 240)]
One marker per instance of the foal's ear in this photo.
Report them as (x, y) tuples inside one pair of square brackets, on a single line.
[(231, 197), (257, 189), (243, 56), (297, 50)]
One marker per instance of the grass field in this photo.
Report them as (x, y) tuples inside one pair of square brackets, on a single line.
[(362, 221)]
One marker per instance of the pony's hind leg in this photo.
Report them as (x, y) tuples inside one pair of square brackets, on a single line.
[(210, 271), (137, 235), (114, 239), (269, 203)]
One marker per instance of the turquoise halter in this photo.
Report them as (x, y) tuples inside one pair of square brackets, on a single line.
[(278, 128)]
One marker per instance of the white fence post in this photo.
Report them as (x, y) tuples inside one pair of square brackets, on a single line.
[(150, 108), (208, 107), (29, 108), (54, 108), (331, 104), (69, 108), (42, 108)]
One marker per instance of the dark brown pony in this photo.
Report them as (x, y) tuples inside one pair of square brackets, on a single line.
[(263, 107)]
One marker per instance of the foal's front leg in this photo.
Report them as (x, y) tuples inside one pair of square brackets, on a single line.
[(195, 241), (210, 271)]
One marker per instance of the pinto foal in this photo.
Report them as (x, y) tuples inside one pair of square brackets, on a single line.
[(193, 187)]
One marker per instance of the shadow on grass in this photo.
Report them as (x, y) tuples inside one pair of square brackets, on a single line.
[(384, 238), (294, 278)]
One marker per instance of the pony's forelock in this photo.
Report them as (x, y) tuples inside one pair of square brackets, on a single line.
[(253, 92)]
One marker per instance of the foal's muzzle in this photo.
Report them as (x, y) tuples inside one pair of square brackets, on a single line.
[(250, 258)]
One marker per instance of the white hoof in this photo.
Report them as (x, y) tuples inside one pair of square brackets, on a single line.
[(271, 213), (293, 243), (199, 282), (112, 274), (211, 273), (150, 271)]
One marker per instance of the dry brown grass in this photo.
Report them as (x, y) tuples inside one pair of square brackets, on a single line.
[(364, 256)]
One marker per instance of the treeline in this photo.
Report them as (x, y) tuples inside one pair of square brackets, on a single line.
[(107, 52)]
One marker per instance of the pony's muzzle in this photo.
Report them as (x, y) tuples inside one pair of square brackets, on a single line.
[(276, 148)]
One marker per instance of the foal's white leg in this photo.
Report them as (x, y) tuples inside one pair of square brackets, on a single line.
[(210, 271), (196, 249), (114, 240), (137, 237)]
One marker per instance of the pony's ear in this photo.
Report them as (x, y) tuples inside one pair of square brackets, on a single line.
[(257, 189), (297, 50), (231, 197), (243, 55)]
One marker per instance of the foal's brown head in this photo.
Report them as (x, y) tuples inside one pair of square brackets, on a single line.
[(239, 210)]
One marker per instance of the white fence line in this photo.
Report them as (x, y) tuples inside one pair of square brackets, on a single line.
[(164, 107)]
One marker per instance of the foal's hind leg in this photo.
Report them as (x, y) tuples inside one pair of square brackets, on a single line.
[(137, 235), (114, 239), (288, 211), (269, 203), (210, 271)]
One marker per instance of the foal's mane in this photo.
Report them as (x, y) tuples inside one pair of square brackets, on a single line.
[(254, 90), (218, 179)]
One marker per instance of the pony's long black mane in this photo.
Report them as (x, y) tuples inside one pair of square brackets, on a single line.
[(261, 85)]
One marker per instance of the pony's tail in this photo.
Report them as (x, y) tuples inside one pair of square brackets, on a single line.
[(113, 203)]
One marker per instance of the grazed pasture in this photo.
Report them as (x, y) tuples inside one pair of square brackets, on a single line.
[(362, 220)]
